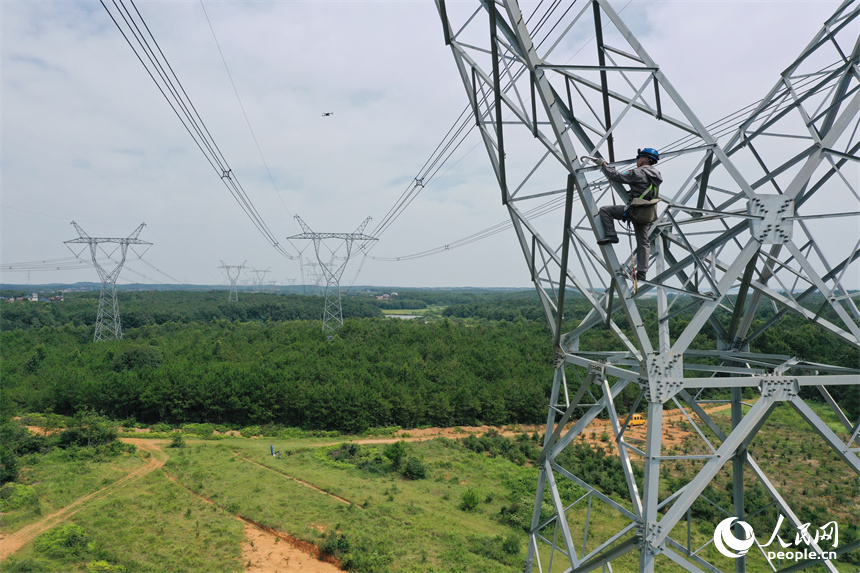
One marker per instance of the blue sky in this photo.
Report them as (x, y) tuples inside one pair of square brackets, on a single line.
[(86, 136)]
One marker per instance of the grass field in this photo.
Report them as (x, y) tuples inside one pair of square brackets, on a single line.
[(467, 514)]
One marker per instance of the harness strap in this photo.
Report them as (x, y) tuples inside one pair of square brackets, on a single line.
[(650, 188)]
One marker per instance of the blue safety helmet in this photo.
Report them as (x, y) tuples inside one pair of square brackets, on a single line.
[(650, 153)]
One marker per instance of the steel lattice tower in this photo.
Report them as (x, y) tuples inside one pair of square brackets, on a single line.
[(313, 276), (762, 210), (260, 278), (108, 323), (333, 269), (229, 269)]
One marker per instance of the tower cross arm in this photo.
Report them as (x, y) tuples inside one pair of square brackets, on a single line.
[(130, 240), (344, 236)]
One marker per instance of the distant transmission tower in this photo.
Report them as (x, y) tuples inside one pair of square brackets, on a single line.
[(229, 269), (260, 276), (108, 323), (761, 212), (313, 276), (333, 270)]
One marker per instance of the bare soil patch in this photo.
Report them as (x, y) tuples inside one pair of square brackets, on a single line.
[(672, 435), (268, 551)]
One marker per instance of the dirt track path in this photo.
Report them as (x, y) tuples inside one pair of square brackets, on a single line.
[(671, 435), (11, 543), (266, 552), (263, 550)]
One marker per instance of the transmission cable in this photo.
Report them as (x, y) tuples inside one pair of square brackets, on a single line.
[(63, 264), (165, 78), (719, 128), (242, 106), (450, 143)]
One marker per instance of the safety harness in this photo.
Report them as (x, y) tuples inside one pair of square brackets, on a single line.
[(625, 217)]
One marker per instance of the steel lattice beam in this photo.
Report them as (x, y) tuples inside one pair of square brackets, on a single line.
[(750, 220)]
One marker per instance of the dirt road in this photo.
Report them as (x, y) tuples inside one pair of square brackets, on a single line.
[(11, 543), (269, 551), (671, 435), (263, 551)]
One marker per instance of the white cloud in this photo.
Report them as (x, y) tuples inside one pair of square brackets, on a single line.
[(87, 136)]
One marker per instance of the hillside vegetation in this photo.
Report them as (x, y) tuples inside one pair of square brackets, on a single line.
[(194, 362), (443, 505), (193, 357)]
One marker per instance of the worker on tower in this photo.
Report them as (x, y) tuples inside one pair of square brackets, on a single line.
[(641, 210)]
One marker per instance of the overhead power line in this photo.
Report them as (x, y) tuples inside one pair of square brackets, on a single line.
[(544, 209), (63, 264), (720, 128), (462, 127), (242, 106), (137, 34)]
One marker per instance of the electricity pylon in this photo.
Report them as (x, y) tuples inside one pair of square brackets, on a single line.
[(260, 276), (766, 213), (333, 269), (108, 323), (229, 270), (313, 276)]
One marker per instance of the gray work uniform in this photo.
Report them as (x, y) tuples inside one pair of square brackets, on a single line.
[(642, 180)]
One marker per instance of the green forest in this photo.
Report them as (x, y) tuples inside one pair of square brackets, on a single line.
[(481, 357)]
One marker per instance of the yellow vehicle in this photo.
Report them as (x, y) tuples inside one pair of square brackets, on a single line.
[(637, 420)]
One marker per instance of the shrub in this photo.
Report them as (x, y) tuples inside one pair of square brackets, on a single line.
[(469, 500), (177, 441), (511, 544), (335, 544), (251, 431), (103, 567), (26, 565), (414, 469), (88, 429), (8, 465), (502, 549), (376, 465), (16, 496), (19, 440), (346, 452), (203, 430), (367, 561), (63, 541), (517, 451), (395, 452)]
